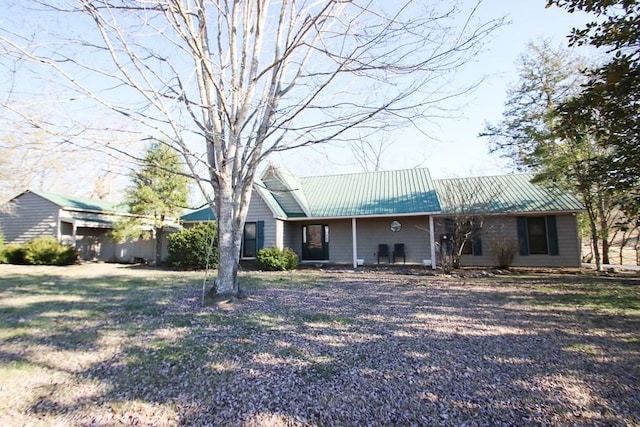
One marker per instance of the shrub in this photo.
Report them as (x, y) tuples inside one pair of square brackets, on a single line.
[(504, 251), (48, 251), (14, 254), (68, 255), (3, 258), (192, 247), (275, 259)]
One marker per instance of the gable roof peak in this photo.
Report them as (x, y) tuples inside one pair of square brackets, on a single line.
[(285, 188)]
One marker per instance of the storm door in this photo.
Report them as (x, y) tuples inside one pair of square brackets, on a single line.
[(315, 242)]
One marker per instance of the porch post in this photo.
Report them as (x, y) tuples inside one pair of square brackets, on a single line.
[(354, 239), (432, 242), (59, 227)]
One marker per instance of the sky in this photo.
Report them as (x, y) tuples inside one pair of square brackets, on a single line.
[(452, 147), (455, 150)]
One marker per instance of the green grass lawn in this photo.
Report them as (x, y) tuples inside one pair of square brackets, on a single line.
[(125, 346)]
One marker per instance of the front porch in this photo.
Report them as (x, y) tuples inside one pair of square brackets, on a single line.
[(357, 241)]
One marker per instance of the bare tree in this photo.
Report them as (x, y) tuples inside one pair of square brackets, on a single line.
[(230, 82), (466, 202), (30, 160), (369, 149)]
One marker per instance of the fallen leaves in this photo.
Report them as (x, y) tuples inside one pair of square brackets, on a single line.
[(340, 349)]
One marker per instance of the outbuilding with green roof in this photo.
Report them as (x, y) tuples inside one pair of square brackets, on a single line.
[(78, 221)]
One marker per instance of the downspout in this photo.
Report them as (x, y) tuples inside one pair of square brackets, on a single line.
[(432, 242), (354, 239)]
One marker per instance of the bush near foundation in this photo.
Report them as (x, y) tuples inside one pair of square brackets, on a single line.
[(274, 259), (38, 251), (48, 251), (194, 247), (504, 252)]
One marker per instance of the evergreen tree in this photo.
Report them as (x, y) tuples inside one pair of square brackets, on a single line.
[(547, 77), (156, 196), (559, 149)]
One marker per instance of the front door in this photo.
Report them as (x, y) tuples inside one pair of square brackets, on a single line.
[(315, 242)]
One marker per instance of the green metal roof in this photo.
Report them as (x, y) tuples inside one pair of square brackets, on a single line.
[(199, 215), (80, 203), (370, 194), (410, 191), (502, 194)]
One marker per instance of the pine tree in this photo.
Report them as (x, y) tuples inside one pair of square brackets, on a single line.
[(156, 196)]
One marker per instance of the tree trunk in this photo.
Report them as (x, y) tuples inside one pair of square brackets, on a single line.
[(623, 243), (229, 238), (604, 226), (605, 251), (159, 232), (594, 241)]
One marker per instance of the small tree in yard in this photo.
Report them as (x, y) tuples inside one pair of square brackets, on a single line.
[(157, 195), (466, 202)]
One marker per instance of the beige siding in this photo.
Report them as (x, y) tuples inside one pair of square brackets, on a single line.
[(504, 229), (414, 234), (568, 245), (132, 250), (259, 211), (340, 241), (129, 250), (339, 238), (29, 217)]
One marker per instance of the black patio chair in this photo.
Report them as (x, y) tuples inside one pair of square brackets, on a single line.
[(383, 252), (398, 251)]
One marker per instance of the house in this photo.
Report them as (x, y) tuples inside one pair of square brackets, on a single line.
[(540, 221), (385, 217), (81, 222), (403, 216)]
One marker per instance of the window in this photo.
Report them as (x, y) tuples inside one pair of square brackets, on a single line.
[(249, 240), (473, 243), (538, 235), (252, 239)]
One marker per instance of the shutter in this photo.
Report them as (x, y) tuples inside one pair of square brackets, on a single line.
[(552, 235), (523, 239), (477, 241), (259, 235)]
